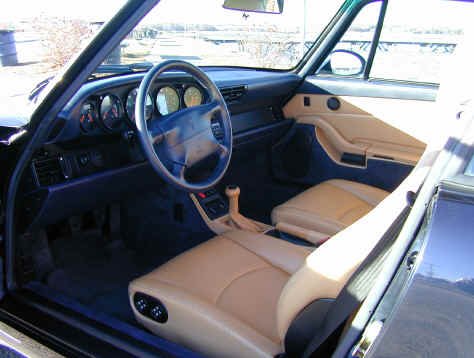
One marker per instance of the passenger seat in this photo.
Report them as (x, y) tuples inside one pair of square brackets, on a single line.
[(327, 208)]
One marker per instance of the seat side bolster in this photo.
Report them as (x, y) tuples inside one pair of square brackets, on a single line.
[(208, 330), (285, 213), (279, 253), (367, 193)]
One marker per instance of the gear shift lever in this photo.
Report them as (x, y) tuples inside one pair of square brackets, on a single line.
[(237, 220), (233, 192)]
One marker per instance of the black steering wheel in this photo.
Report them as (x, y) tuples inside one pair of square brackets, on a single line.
[(174, 142)]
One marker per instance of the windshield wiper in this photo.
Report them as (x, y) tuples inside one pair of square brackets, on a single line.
[(122, 68)]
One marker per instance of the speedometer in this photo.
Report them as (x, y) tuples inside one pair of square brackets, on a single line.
[(167, 100), (192, 96), (130, 105)]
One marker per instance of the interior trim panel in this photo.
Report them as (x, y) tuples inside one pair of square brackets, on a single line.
[(343, 86)]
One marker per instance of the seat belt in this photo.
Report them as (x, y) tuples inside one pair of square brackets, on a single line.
[(357, 288)]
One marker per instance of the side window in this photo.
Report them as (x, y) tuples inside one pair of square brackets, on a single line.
[(349, 56), (417, 37)]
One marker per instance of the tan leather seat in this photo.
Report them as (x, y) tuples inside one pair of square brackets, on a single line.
[(222, 296), (329, 207)]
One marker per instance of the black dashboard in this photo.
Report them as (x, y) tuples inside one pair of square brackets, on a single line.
[(92, 154)]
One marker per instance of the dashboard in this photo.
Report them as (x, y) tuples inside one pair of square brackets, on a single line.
[(92, 155)]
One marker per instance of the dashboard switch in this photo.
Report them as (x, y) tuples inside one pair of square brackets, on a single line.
[(83, 159), (97, 158)]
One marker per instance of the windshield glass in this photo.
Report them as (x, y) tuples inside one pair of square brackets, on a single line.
[(206, 34)]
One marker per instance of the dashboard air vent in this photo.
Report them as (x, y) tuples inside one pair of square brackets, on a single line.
[(231, 94), (47, 169)]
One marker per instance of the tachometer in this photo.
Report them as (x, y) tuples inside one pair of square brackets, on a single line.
[(192, 96), (89, 115), (130, 105), (111, 111), (167, 100)]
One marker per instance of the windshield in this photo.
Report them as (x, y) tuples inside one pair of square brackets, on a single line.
[(205, 34)]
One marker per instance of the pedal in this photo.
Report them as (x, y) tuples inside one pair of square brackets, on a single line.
[(75, 224), (114, 222), (99, 217)]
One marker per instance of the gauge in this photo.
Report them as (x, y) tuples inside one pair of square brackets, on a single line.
[(88, 118), (167, 100), (192, 96), (130, 106), (111, 111)]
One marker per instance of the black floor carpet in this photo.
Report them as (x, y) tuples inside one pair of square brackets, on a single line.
[(96, 273)]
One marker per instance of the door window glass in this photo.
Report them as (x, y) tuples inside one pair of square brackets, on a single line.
[(417, 37)]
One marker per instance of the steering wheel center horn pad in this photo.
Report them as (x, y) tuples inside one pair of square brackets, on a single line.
[(179, 140)]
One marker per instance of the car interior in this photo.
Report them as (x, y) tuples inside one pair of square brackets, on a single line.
[(111, 238), (231, 226)]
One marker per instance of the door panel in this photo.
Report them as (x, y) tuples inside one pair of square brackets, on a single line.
[(379, 127), (300, 158), (359, 136)]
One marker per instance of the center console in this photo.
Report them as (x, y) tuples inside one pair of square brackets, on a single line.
[(213, 204)]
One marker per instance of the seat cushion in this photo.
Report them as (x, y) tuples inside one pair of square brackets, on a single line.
[(329, 207), (222, 295)]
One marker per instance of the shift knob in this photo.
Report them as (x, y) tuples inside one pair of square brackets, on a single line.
[(233, 192)]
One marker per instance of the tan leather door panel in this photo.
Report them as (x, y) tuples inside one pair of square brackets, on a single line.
[(383, 128)]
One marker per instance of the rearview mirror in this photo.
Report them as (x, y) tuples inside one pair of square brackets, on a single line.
[(266, 6)]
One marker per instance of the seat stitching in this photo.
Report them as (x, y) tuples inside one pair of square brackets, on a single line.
[(349, 210), (264, 259), (367, 198), (311, 215), (237, 278)]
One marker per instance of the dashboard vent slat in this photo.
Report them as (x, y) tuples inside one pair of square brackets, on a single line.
[(234, 93), (47, 170)]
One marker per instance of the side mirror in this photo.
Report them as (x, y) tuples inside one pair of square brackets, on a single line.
[(343, 63), (265, 6)]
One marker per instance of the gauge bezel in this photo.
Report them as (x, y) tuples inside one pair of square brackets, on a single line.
[(93, 103), (178, 92), (121, 111), (126, 100), (188, 86)]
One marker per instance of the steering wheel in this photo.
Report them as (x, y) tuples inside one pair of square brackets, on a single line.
[(176, 141)]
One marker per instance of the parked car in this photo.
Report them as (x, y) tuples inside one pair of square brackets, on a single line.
[(223, 186)]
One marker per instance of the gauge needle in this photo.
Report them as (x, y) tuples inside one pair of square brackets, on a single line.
[(114, 111), (90, 117)]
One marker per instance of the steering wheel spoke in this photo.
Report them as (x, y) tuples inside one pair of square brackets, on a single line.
[(208, 110), (154, 129), (222, 150), (178, 170)]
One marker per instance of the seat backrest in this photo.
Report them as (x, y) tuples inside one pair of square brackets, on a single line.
[(327, 270)]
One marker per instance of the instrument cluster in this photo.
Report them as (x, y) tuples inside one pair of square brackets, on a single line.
[(114, 110)]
